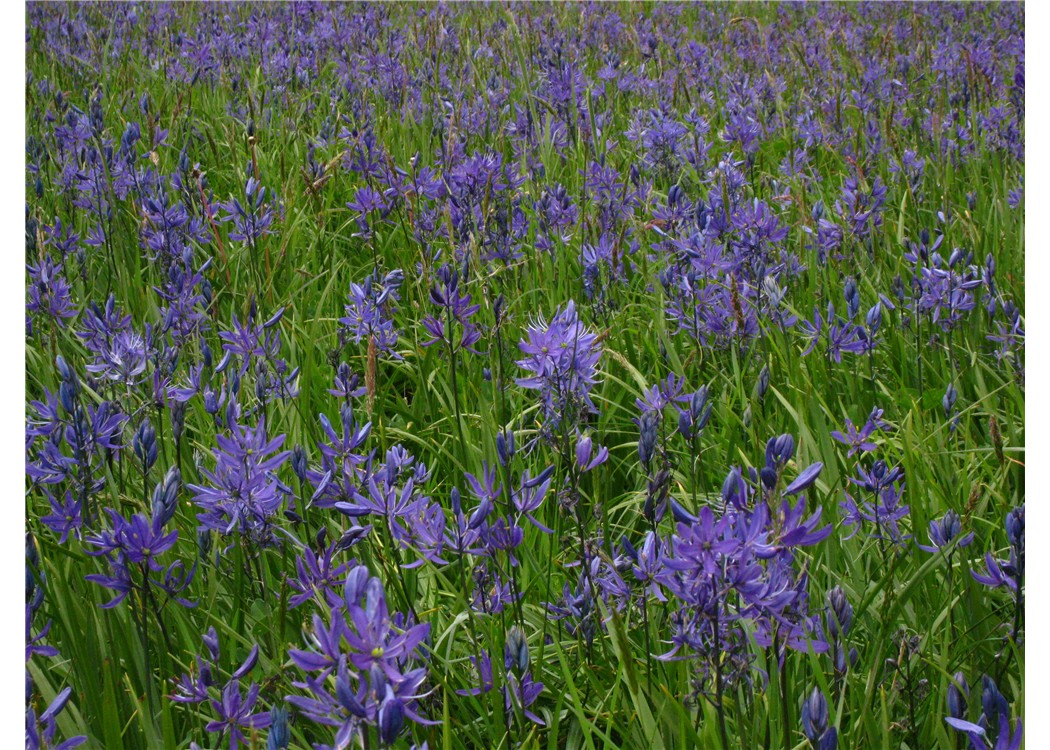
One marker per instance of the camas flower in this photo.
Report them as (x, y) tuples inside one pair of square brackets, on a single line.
[(374, 675), (137, 540), (455, 308), (243, 490), (252, 220), (369, 315), (41, 730), (860, 440), (562, 359), (234, 711), (49, 292), (944, 531)]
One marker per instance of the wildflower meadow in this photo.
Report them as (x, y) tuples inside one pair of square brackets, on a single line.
[(524, 375)]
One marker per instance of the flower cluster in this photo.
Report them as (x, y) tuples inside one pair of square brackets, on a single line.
[(364, 668), (561, 358)]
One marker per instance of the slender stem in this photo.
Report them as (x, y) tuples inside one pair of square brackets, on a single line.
[(648, 643), (455, 395), (144, 636), (785, 716), (718, 678)]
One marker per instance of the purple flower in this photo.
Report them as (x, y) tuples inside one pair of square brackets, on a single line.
[(562, 359), (798, 533), (234, 712), (859, 440), (49, 292), (375, 680), (259, 345), (138, 541), (65, 517), (701, 547), (999, 572), (243, 491), (41, 731), (586, 456), (123, 358), (346, 383), (455, 308), (252, 220), (649, 565), (318, 577), (370, 313), (886, 486), (1005, 739), (944, 531), (372, 637), (520, 692)]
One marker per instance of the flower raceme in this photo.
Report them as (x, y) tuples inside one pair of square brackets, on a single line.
[(369, 316), (243, 491), (561, 358), (365, 668), (455, 309)]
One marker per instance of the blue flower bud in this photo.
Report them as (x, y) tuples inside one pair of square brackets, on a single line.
[(457, 503), (829, 740), (734, 491), (64, 370), (841, 615), (211, 642), (763, 383), (697, 402), (203, 542), (680, 514), (1015, 528), (248, 665), (517, 650), (628, 548), (958, 692), (352, 536), (299, 463), (178, 419), (852, 295), (649, 425), (874, 317), (480, 514), (211, 401), (815, 716), (505, 446), (356, 582), (768, 475), (165, 497), (279, 736), (584, 449), (948, 402), (391, 717), (499, 309), (992, 701), (685, 425), (144, 444), (67, 395)]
